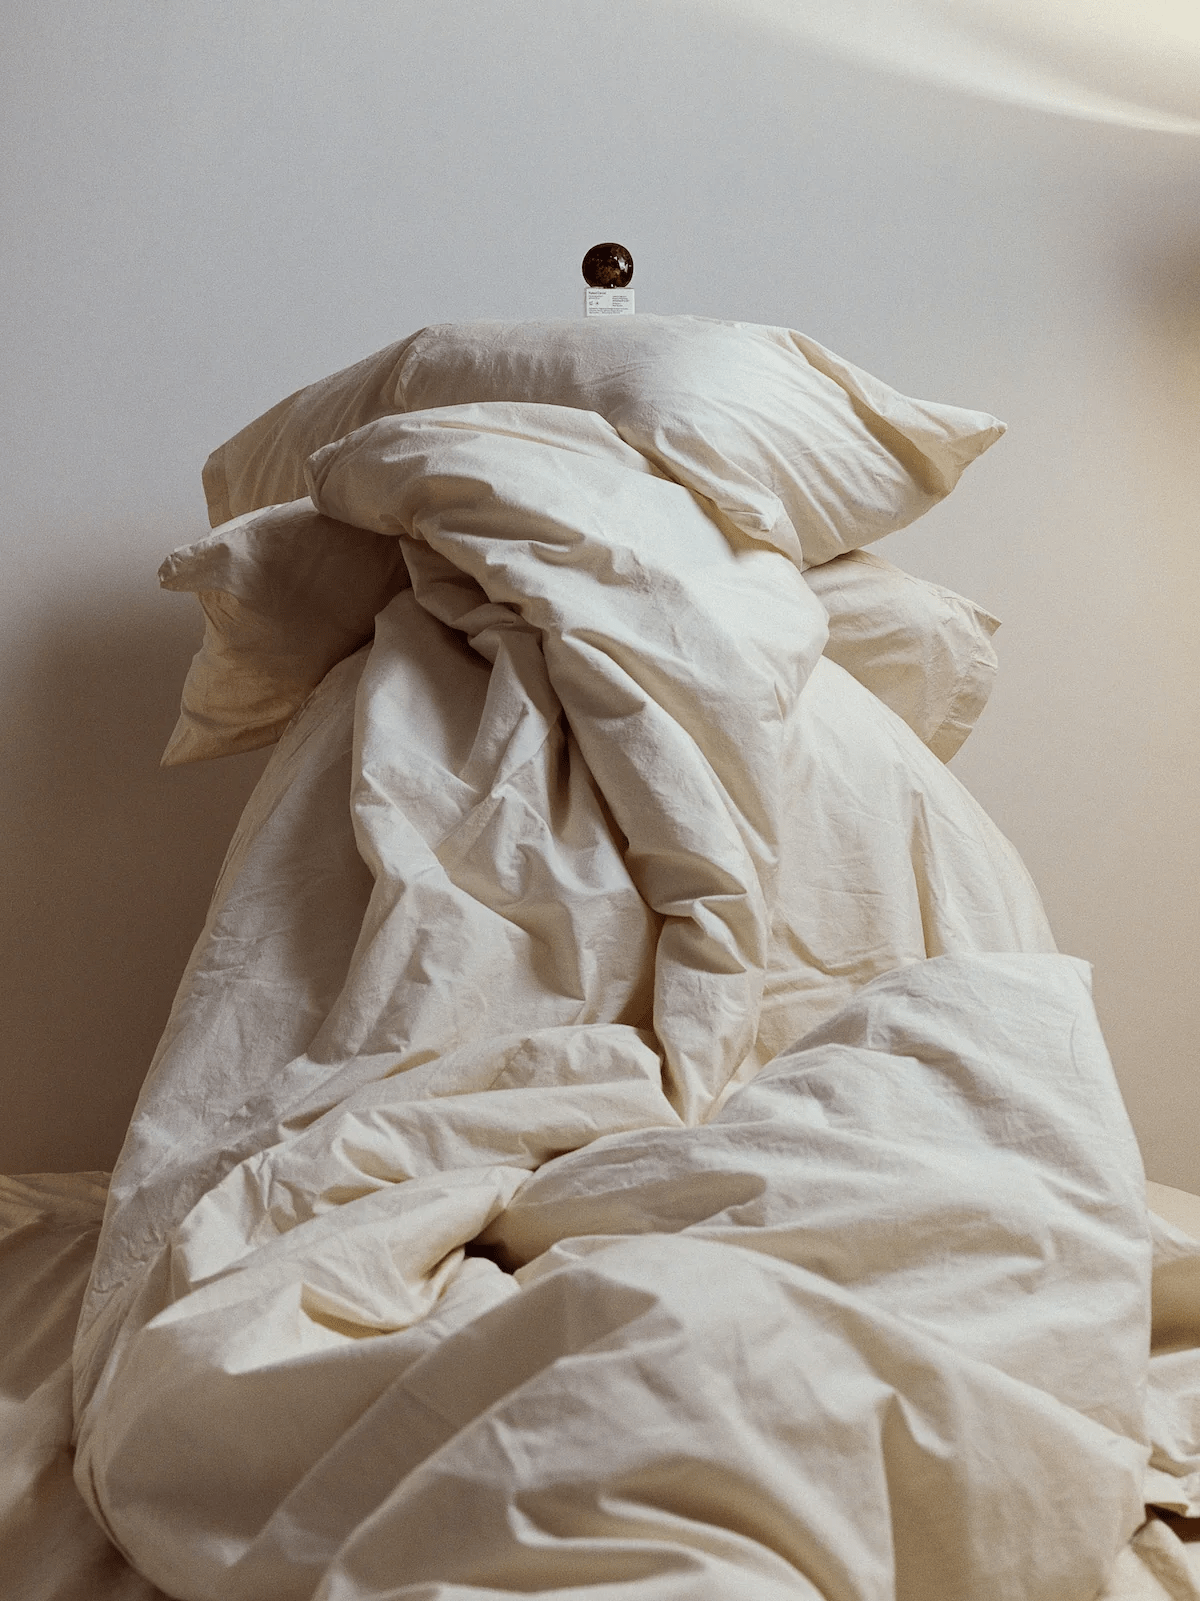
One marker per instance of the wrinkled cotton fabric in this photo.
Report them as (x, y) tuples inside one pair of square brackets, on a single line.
[(460, 1247)]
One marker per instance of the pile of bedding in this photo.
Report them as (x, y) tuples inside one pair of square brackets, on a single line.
[(624, 1129)]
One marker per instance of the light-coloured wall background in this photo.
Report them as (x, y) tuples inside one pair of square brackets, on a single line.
[(205, 207)]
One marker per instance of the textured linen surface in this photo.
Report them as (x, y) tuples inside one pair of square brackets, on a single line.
[(922, 649), (288, 593), (460, 1248), (52, 1549), (793, 443)]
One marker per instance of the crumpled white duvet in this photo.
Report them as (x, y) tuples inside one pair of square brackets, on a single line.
[(463, 1245)]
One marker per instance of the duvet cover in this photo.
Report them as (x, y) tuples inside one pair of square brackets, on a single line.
[(624, 1129)]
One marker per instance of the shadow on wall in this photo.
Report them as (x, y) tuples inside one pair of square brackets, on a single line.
[(1163, 290), (109, 860)]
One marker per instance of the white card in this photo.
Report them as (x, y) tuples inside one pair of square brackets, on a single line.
[(608, 303)]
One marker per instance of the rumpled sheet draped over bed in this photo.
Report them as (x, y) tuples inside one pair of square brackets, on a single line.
[(464, 1244)]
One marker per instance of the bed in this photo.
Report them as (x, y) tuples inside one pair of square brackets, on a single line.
[(625, 1129)]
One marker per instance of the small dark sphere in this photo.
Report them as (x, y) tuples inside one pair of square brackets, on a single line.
[(607, 267)]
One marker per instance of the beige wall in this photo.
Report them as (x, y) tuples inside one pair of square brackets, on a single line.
[(208, 206)]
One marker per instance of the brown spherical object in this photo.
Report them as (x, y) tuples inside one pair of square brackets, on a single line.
[(607, 266)]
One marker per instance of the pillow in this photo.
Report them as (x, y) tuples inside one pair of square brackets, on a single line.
[(287, 594), (796, 446), (921, 649), (264, 464)]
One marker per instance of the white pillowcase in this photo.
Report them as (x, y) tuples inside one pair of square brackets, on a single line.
[(286, 594), (796, 446), (793, 444), (263, 465), (921, 649)]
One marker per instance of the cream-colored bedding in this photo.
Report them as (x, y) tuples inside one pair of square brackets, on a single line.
[(52, 1549), (464, 1244)]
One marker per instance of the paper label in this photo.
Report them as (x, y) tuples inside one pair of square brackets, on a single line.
[(608, 302)]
